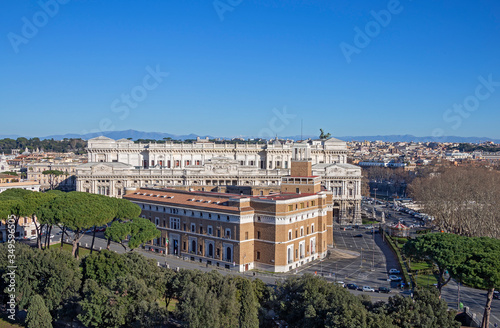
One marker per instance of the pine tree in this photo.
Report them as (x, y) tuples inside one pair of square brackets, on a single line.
[(249, 306), (38, 315)]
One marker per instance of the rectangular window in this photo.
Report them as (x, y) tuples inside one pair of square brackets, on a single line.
[(290, 208), (193, 227), (201, 230), (258, 256), (301, 205), (209, 230), (246, 235), (218, 232), (258, 234)]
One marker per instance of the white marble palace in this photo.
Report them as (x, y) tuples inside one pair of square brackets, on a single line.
[(115, 166)]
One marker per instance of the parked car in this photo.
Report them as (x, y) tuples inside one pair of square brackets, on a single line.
[(352, 286), (348, 228), (33, 237), (368, 289), (496, 294), (358, 236), (340, 283), (384, 290), (394, 278), (394, 271)]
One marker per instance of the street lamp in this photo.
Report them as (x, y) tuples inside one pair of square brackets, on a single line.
[(373, 253), (361, 265), (375, 189)]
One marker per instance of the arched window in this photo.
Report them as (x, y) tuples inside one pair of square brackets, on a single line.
[(228, 254), (193, 246), (210, 250)]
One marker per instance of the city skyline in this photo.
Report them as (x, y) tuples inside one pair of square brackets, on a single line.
[(251, 68)]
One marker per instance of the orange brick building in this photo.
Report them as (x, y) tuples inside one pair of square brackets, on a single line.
[(276, 232)]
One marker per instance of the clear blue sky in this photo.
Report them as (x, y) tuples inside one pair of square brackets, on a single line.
[(226, 76)]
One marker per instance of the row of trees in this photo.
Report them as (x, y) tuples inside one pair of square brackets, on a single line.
[(474, 261), (469, 147), (106, 289), (463, 201), (60, 146), (78, 212)]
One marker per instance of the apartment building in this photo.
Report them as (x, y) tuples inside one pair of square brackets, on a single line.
[(276, 232)]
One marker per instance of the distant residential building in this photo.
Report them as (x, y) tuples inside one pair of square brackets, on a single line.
[(64, 182), (28, 185), (7, 178), (4, 165)]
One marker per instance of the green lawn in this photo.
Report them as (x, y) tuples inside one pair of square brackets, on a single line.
[(67, 247), (5, 323), (171, 307), (426, 280), (420, 266), (400, 242), (366, 221)]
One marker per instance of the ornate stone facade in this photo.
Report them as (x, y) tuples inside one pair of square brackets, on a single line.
[(115, 165)]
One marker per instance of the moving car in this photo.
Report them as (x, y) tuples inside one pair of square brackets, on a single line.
[(394, 278), (368, 289), (384, 290), (394, 271), (352, 286)]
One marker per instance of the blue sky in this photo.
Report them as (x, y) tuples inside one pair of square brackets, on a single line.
[(232, 67)]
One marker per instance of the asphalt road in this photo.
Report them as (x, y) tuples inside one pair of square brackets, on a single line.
[(475, 299), (369, 268)]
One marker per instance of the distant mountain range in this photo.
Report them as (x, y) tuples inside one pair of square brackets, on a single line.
[(160, 135)]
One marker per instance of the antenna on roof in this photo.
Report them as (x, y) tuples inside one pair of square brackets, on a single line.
[(301, 126)]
